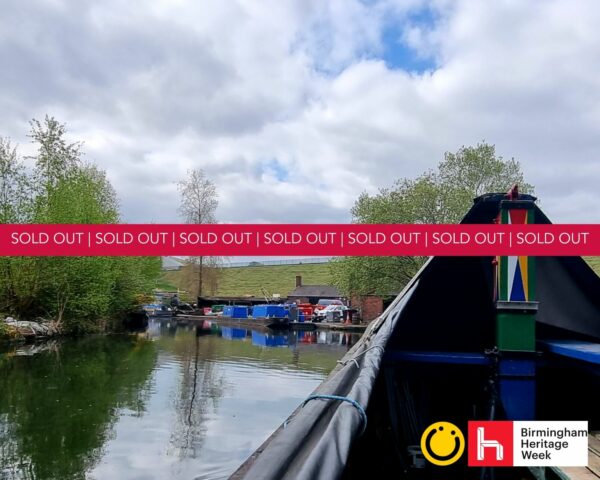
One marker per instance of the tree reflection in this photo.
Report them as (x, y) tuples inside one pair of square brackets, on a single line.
[(201, 387), (203, 380), (57, 407), (59, 403)]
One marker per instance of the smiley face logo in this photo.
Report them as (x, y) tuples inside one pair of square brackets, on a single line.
[(442, 443)]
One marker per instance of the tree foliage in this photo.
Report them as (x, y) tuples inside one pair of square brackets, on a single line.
[(441, 196), (56, 159), (14, 185), (81, 293), (473, 171)]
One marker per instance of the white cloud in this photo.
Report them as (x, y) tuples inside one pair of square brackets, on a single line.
[(157, 89)]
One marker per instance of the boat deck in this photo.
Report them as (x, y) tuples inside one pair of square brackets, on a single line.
[(575, 349), (592, 471)]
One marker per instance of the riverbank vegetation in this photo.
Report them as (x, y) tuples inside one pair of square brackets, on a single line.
[(81, 294)]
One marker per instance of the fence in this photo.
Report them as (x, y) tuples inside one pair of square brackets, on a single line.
[(292, 261)]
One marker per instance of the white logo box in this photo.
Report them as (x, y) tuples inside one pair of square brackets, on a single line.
[(550, 444)]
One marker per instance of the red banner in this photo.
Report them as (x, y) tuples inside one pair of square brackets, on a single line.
[(299, 240)]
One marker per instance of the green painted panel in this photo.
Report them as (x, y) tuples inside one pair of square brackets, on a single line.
[(532, 278), (503, 279), (515, 331)]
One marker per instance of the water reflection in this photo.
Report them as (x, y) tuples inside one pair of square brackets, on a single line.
[(183, 401), (58, 407), (201, 386), (232, 333)]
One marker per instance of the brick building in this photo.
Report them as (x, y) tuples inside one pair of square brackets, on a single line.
[(369, 306)]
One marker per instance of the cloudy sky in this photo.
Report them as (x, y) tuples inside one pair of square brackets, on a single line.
[(295, 107)]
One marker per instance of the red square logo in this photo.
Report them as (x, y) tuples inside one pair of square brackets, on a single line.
[(490, 444)]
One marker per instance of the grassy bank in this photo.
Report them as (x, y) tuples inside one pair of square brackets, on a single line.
[(594, 263), (273, 278), (249, 280)]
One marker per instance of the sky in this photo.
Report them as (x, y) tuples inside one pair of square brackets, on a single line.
[(295, 107)]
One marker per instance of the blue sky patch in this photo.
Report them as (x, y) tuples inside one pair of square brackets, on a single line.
[(396, 53), (275, 168)]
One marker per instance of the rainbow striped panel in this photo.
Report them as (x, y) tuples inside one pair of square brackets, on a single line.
[(514, 280)]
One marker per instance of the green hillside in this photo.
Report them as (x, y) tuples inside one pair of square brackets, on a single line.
[(594, 263), (273, 278), (241, 281)]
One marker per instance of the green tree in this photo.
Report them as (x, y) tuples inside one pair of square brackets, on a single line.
[(56, 158), (14, 186), (473, 171), (81, 293), (441, 196), (133, 277), (15, 207), (76, 291)]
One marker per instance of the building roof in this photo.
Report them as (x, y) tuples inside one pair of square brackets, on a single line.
[(323, 291)]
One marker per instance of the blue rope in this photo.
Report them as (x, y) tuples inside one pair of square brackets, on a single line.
[(354, 403)]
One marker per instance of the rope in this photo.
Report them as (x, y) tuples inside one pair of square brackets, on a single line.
[(354, 403), (353, 359)]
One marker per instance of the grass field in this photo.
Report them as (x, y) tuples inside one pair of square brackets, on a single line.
[(594, 263), (280, 279), (273, 278), (241, 281)]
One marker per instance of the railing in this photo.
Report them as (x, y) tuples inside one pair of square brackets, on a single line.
[(260, 263)]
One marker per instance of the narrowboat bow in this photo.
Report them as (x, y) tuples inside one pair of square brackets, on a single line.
[(469, 338)]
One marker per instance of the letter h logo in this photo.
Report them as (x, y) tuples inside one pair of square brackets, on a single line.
[(482, 444), (490, 444)]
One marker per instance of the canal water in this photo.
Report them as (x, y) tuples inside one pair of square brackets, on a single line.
[(176, 402)]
